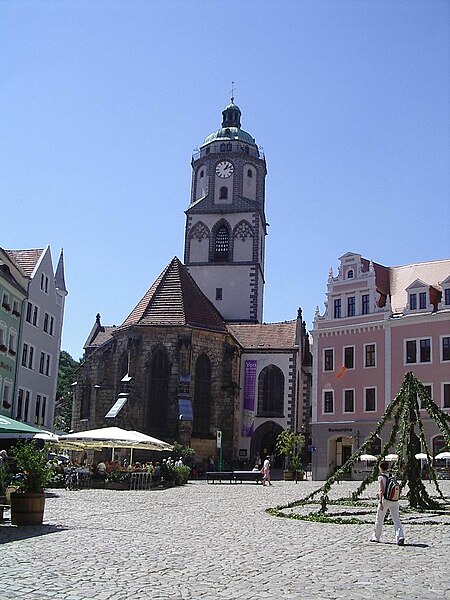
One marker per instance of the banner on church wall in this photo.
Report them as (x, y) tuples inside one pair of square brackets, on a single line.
[(248, 413)]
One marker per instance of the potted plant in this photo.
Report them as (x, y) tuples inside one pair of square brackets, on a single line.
[(290, 444), (32, 475)]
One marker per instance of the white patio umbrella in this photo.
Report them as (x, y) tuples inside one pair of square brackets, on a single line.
[(422, 456), (391, 457), (368, 457), (111, 437), (443, 455)]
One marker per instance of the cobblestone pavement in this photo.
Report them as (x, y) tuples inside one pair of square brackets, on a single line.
[(213, 542)]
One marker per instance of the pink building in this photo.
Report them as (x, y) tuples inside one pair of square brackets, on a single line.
[(379, 323)]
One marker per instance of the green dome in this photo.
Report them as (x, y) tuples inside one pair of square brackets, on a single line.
[(230, 133), (231, 127)]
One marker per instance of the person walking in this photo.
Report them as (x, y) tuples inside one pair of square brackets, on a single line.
[(385, 505), (266, 471)]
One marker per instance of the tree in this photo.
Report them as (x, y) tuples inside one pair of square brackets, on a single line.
[(66, 376)]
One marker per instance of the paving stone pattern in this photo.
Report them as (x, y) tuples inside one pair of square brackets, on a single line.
[(213, 542)]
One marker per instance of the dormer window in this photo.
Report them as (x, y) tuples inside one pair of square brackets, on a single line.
[(350, 274), (422, 300), (413, 302), (447, 296)]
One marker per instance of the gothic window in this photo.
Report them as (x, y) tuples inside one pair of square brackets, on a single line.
[(222, 244), (271, 392), (202, 396), (223, 193), (243, 230), (199, 232), (85, 408), (158, 373)]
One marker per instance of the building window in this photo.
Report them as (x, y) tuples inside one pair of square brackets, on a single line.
[(44, 364), (447, 296), (49, 324), (271, 392), (365, 304), (445, 348), (158, 373), (26, 406), (349, 401), (328, 402), (16, 308), (418, 349), (349, 357), (12, 344), (249, 173), (218, 293), (425, 350), (27, 356), (7, 394), (328, 359), (5, 302), (222, 244), (44, 283), (412, 301), (43, 409), (446, 395), (223, 193), (202, 396), (32, 315), (351, 306), (3, 333), (370, 402), (37, 409), (422, 300), (369, 355), (350, 274), (337, 308), (202, 173)]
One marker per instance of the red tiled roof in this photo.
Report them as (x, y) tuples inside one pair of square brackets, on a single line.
[(175, 299), (26, 260), (265, 335), (101, 336)]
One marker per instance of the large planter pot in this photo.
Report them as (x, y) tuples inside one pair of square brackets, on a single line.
[(288, 475), (27, 509)]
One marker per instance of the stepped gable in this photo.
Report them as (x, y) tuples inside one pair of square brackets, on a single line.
[(265, 335), (26, 260), (175, 299)]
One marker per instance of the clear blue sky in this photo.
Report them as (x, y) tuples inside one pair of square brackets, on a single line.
[(102, 104)]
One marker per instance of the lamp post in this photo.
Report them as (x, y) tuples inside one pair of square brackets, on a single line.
[(219, 447)]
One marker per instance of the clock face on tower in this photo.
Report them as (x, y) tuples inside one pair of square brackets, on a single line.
[(224, 169)]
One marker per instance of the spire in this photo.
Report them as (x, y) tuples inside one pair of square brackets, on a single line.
[(60, 281)]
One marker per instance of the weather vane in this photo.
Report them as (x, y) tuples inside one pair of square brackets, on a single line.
[(232, 91)]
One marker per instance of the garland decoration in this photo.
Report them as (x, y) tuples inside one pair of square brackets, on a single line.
[(403, 415)]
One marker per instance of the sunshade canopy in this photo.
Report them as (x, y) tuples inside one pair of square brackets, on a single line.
[(8, 425), (112, 437)]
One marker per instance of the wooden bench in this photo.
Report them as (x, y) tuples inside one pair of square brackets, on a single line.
[(247, 476), (213, 476), (233, 476)]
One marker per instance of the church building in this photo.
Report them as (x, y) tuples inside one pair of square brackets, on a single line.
[(193, 361)]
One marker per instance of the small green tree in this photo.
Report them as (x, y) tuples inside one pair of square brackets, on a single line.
[(290, 444)]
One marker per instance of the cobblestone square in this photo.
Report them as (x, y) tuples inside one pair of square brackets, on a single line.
[(213, 542)]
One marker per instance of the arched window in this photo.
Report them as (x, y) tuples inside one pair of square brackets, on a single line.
[(271, 392), (158, 373), (223, 193), (85, 408), (249, 173), (222, 244), (350, 274), (202, 396)]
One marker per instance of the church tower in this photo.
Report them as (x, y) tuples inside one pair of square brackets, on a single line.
[(225, 222)]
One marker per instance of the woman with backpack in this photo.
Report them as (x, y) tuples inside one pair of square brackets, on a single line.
[(388, 495)]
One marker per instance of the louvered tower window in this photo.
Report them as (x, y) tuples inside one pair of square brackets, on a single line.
[(222, 244)]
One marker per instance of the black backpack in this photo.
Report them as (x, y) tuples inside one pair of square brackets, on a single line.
[(392, 488)]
